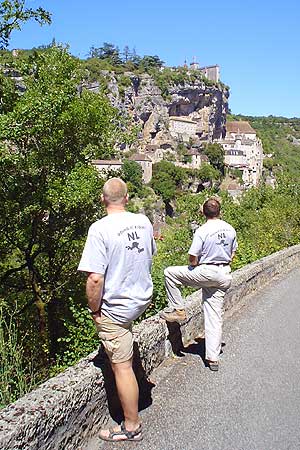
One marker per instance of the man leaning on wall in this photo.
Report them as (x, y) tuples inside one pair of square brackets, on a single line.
[(210, 255), (117, 257)]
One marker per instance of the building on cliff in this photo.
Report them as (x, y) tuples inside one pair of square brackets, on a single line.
[(107, 164), (104, 165), (244, 151), (212, 73), (146, 164), (194, 160), (154, 152), (183, 127)]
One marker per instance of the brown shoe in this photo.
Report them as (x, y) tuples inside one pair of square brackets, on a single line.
[(177, 315)]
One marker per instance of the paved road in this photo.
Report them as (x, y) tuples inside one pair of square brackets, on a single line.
[(252, 403)]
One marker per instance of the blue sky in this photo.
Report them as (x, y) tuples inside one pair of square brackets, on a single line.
[(256, 43)]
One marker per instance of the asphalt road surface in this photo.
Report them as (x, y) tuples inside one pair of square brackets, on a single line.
[(252, 403)]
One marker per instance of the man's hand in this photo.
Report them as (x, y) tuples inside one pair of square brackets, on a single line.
[(97, 319), (94, 289), (193, 261)]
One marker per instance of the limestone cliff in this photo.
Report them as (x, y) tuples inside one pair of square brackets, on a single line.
[(204, 103)]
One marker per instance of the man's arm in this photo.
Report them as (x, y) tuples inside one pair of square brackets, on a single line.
[(94, 289), (193, 260)]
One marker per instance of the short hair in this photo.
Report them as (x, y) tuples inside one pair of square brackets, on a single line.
[(211, 208), (114, 191)]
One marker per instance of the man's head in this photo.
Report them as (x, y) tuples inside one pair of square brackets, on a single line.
[(115, 192), (211, 208)]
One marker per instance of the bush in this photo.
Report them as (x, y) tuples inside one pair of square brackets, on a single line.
[(80, 339), (16, 370)]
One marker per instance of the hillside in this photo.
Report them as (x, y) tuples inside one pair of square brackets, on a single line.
[(145, 91)]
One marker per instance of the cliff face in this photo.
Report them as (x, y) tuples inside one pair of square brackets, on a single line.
[(142, 99)]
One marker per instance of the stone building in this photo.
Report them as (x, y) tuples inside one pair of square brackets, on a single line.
[(194, 160), (194, 65), (154, 152), (234, 157), (183, 127), (104, 165), (146, 164), (243, 150), (107, 164), (212, 73)]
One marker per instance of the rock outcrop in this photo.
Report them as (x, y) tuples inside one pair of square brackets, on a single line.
[(201, 102)]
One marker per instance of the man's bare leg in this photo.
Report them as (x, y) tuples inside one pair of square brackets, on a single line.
[(128, 392)]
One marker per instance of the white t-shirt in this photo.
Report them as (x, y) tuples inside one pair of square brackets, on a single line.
[(120, 246), (214, 242)]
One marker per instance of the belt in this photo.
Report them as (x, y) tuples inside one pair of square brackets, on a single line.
[(216, 264)]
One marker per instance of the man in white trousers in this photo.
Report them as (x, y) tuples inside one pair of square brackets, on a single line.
[(117, 258), (210, 255)]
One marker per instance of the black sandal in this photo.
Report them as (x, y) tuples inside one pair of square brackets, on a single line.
[(135, 435), (213, 365)]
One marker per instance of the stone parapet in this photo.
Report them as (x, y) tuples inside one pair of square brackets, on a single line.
[(66, 411)]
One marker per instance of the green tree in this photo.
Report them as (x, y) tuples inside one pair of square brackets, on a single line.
[(8, 93), (208, 173), (49, 194), (215, 154), (107, 51), (13, 13), (133, 174), (166, 178), (149, 62), (126, 54)]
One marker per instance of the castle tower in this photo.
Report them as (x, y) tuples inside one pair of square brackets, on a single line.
[(194, 65)]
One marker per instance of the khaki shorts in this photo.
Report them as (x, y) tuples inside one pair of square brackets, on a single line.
[(116, 338)]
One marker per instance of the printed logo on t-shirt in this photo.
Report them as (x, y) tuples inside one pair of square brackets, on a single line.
[(134, 245), (222, 239)]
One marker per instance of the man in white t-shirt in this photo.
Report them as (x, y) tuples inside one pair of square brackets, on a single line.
[(117, 257), (210, 255)]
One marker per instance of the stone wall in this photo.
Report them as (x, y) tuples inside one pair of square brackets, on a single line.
[(66, 411)]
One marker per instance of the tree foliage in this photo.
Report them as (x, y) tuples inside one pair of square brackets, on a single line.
[(215, 154), (13, 13), (133, 176), (166, 178), (8, 94), (149, 62), (107, 51), (208, 173), (49, 193)]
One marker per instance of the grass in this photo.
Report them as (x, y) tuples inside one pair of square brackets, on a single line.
[(16, 374)]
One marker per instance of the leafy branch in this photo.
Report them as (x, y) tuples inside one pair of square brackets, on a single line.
[(13, 13)]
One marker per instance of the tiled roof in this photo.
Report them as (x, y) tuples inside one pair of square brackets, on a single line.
[(193, 151), (139, 157), (209, 67), (182, 119), (239, 127), (152, 147), (106, 162)]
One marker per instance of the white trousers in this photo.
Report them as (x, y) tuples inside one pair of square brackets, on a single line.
[(214, 281)]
